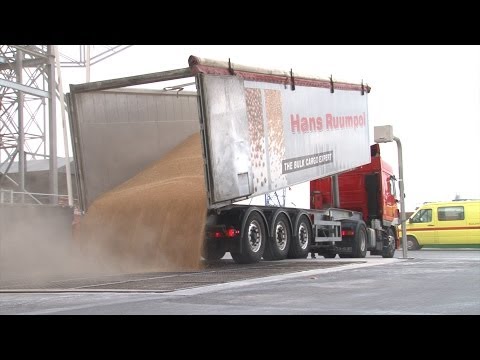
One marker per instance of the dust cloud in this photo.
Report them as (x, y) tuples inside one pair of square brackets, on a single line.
[(153, 222), (36, 244)]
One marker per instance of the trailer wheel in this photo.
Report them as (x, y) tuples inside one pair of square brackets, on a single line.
[(212, 251), (412, 243), (389, 250), (299, 247), (359, 248), (277, 245), (253, 240)]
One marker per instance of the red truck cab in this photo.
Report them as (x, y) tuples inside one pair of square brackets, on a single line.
[(369, 189)]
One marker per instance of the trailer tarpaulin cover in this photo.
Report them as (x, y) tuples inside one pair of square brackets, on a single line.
[(263, 136)]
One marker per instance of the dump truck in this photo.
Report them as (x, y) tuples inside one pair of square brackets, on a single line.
[(261, 131)]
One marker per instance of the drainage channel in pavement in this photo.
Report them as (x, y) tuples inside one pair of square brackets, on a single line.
[(220, 272)]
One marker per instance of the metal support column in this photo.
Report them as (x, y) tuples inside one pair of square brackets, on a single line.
[(52, 126), (64, 127), (402, 197), (87, 64), (21, 127)]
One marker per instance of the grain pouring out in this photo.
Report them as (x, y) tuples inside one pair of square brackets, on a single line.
[(155, 220)]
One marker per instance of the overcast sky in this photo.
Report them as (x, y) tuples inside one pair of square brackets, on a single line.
[(429, 94)]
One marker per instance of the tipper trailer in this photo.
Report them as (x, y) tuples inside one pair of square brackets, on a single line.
[(261, 131)]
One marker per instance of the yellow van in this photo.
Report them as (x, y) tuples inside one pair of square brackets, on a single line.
[(445, 224)]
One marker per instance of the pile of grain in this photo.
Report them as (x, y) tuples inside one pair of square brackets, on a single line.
[(154, 221)]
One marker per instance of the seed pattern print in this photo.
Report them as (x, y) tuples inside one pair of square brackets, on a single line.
[(256, 132), (276, 138)]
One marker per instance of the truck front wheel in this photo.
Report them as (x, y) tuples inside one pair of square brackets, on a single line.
[(359, 248), (253, 240), (302, 236), (388, 249)]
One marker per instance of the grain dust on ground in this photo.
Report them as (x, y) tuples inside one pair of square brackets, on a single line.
[(155, 220)]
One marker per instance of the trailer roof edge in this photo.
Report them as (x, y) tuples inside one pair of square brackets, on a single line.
[(132, 80), (216, 67)]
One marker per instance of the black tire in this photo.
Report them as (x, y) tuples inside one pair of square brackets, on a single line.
[(388, 249), (359, 247), (412, 243), (329, 256), (278, 244), (301, 239), (213, 251), (253, 240)]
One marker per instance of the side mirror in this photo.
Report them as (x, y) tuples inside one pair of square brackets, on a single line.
[(410, 221)]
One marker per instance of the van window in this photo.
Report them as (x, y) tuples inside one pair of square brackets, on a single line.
[(423, 216), (449, 213)]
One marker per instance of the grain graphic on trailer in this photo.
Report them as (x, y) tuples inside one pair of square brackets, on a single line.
[(276, 137)]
